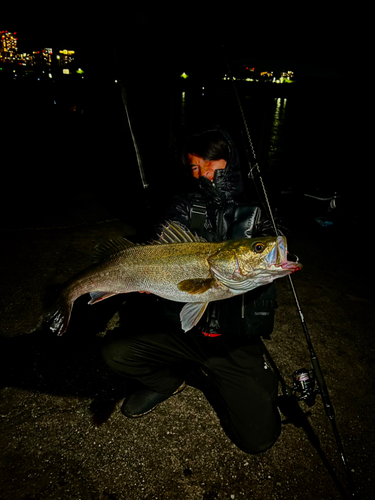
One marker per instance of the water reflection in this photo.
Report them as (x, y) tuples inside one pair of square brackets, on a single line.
[(277, 132), (183, 109)]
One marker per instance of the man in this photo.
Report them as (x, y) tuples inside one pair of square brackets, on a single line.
[(226, 343)]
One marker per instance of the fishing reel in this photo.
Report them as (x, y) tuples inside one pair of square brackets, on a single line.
[(304, 386)]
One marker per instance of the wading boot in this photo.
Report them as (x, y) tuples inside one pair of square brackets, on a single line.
[(144, 401)]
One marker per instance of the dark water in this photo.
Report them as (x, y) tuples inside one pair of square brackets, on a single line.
[(69, 137)]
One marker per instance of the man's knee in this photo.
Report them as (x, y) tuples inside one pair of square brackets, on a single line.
[(256, 441), (115, 348)]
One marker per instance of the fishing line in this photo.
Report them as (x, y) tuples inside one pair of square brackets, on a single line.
[(323, 390), (256, 165)]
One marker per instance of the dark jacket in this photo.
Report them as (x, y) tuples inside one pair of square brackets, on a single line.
[(218, 211)]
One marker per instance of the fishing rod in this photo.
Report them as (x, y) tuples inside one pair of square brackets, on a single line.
[(135, 144), (303, 382), (124, 98)]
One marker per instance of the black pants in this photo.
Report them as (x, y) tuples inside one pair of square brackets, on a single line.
[(247, 386)]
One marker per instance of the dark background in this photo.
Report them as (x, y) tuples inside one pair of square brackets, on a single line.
[(50, 153)]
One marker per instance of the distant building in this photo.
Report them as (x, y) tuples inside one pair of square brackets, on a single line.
[(66, 57), (47, 56), (8, 46), (43, 57), (43, 61)]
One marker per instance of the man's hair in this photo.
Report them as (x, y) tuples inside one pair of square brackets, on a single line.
[(209, 145)]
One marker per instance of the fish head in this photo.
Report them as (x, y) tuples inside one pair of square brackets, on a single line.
[(242, 265)]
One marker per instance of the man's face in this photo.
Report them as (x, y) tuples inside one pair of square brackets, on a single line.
[(205, 168)]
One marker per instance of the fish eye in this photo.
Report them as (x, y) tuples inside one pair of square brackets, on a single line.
[(258, 247)]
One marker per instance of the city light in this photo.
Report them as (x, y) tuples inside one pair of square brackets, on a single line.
[(264, 76), (62, 61), (38, 59), (8, 48)]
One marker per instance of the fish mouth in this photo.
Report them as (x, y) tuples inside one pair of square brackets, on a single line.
[(286, 267), (280, 258), (278, 255), (291, 266), (292, 263)]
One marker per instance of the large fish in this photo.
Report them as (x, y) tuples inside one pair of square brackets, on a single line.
[(180, 267)]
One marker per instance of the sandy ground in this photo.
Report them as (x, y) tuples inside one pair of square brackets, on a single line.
[(63, 437)]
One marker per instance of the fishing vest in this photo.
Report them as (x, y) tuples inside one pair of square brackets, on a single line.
[(245, 218)]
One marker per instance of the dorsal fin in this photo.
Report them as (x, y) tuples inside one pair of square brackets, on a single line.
[(173, 232), (111, 247)]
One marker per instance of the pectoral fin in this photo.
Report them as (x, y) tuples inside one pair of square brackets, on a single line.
[(191, 313), (196, 286)]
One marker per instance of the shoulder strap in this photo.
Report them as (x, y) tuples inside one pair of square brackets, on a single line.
[(197, 212)]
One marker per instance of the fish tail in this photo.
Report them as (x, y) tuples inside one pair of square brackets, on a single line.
[(59, 315)]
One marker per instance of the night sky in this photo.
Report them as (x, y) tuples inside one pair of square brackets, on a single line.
[(176, 35)]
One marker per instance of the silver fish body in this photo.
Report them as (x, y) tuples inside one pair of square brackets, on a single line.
[(178, 267)]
